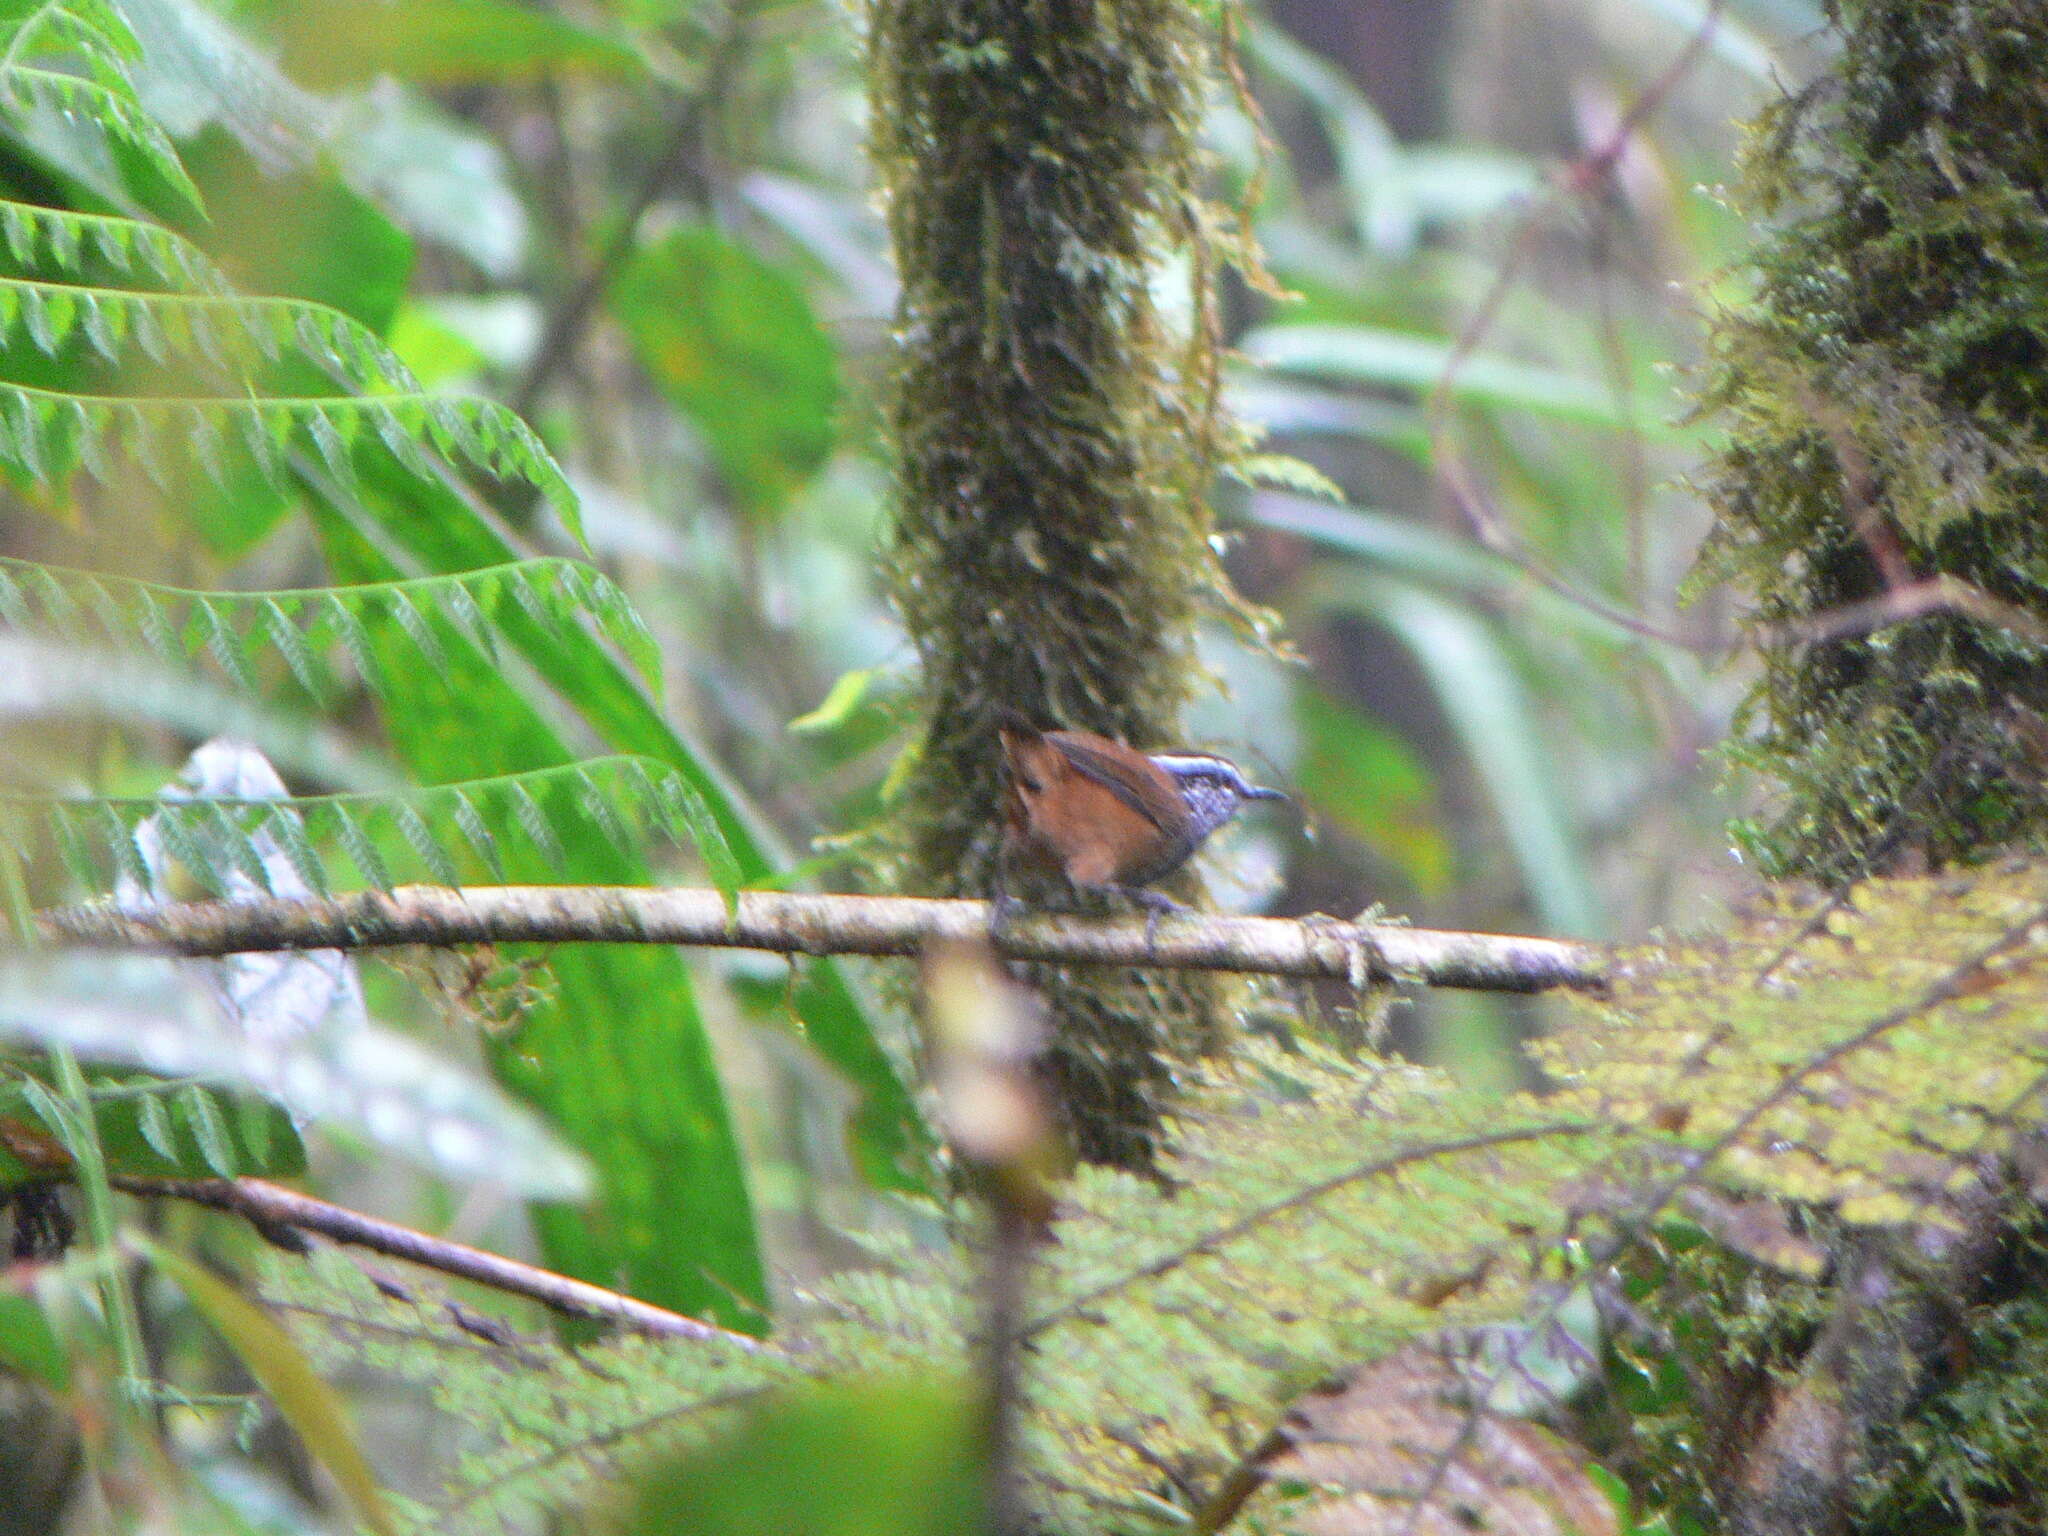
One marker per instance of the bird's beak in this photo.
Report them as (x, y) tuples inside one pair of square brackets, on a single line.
[(1259, 792)]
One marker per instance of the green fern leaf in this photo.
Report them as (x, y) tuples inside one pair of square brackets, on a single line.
[(348, 629), (224, 645), (361, 851), (477, 831), (290, 643), (690, 819), (105, 327), (1313, 1211), (222, 832), (70, 58), (427, 834), (533, 821), (598, 810), (232, 629), (182, 842), (1864, 1052), (419, 837), (233, 337), (202, 1117), (25, 442), (286, 826), (154, 1121), (332, 444), (417, 629), (26, 90)]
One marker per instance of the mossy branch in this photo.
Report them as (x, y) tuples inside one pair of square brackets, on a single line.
[(803, 923)]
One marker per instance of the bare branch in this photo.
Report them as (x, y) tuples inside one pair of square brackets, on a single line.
[(1579, 179), (270, 1207), (687, 127), (803, 923), (1900, 605)]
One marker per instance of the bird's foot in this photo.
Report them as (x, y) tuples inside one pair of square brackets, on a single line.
[(1003, 910), (1156, 905)]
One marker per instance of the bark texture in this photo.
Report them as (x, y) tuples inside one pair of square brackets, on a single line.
[(1054, 430)]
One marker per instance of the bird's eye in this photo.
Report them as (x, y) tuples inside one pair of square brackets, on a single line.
[(1031, 784)]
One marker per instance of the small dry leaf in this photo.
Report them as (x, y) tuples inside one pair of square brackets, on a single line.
[(1758, 1229), (1398, 1448), (32, 1146)]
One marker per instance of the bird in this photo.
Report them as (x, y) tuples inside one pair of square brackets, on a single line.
[(1108, 816)]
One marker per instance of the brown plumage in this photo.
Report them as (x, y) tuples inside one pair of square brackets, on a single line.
[(1090, 806), (1107, 816)]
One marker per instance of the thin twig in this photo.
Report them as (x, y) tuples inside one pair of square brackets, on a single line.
[(566, 324), (805, 923), (1581, 177), (269, 1207), (1899, 605)]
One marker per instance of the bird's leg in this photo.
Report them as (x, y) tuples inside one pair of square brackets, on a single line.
[(1004, 910), (1003, 907), (1155, 903)]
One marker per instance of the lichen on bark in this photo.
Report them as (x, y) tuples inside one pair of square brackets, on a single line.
[(1886, 387), (1054, 429)]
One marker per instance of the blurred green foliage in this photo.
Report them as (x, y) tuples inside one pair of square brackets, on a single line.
[(883, 1458), (244, 248)]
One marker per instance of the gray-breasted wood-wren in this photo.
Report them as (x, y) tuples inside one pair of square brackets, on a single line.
[(1108, 816)]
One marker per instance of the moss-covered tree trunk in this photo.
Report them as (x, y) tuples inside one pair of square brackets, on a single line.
[(1040, 164), (1887, 391), (1889, 398)]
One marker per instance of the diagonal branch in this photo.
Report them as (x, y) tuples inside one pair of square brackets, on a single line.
[(1377, 1167), (272, 1208), (802, 923)]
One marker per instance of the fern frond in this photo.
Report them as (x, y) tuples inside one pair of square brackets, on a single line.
[(1867, 1054), (1320, 1211), (335, 842), (160, 1016), (93, 37), (67, 242), (311, 630), (1323, 1211), (195, 327), (50, 431), (158, 1128), (93, 30), (196, 321), (234, 334)]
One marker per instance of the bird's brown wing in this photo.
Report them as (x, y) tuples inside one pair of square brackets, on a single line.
[(1148, 792)]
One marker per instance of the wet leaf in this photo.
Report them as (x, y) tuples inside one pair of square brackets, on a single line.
[(1401, 1446)]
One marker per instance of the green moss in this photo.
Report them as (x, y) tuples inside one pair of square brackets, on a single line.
[(1888, 390), (1971, 1456), (1886, 394), (1974, 1457), (1053, 435), (1684, 1402)]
